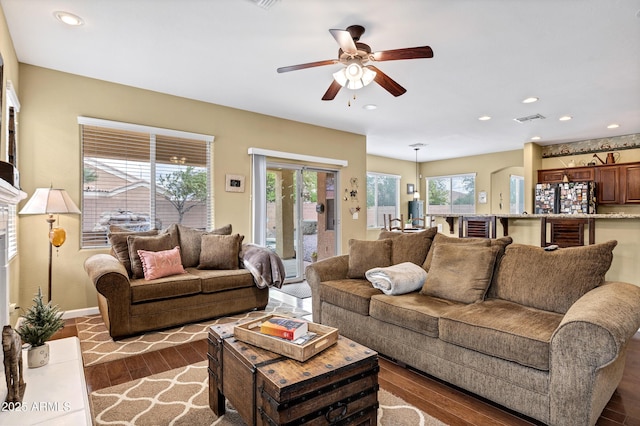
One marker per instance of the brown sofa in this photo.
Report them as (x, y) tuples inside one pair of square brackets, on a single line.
[(130, 304), (539, 332)]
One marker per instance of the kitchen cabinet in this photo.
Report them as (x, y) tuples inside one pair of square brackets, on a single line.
[(615, 183)]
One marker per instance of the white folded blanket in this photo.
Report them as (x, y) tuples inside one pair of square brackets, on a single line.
[(397, 279)]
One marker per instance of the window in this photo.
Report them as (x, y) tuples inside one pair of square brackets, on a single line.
[(13, 108), (516, 194), (451, 194), (383, 197), (140, 178)]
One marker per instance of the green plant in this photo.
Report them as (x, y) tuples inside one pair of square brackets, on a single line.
[(40, 322)]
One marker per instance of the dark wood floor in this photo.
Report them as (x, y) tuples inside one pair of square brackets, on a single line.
[(440, 400)]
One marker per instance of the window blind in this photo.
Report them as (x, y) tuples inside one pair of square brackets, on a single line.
[(141, 180)]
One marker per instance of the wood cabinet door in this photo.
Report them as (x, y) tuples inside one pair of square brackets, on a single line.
[(550, 176), (631, 183), (608, 185)]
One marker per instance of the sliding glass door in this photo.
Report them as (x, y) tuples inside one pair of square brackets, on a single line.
[(300, 215)]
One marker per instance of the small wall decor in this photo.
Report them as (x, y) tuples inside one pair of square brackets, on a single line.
[(234, 183), (411, 188)]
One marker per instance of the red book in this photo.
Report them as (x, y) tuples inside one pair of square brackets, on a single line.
[(287, 328)]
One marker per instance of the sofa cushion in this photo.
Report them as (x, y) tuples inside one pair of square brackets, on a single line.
[(214, 280), (414, 311), (460, 272), (190, 242), (550, 280), (151, 243), (364, 255), (120, 248), (164, 288), (220, 251), (351, 294), (158, 264), (502, 329), (409, 246)]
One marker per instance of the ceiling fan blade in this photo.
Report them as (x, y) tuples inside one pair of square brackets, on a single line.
[(345, 41), (387, 83), (332, 91), (308, 65), (406, 53)]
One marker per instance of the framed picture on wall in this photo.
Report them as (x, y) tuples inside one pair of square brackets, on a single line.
[(410, 188), (234, 183)]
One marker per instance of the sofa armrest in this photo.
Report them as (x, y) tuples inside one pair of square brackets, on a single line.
[(587, 351), (111, 280), (333, 268)]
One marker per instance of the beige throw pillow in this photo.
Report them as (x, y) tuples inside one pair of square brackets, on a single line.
[(220, 251), (460, 272), (550, 280), (409, 246), (364, 255), (191, 240), (120, 247), (152, 243)]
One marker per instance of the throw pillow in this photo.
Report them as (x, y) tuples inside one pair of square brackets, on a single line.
[(365, 255), (153, 243), (191, 240), (440, 239), (220, 251), (550, 280), (460, 272), (158, 264), (120, 247), (409, 246)]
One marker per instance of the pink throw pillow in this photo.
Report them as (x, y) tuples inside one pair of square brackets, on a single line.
[(158, 264)]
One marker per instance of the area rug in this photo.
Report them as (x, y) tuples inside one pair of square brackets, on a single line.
[(181, 397), (300, 290), (98, 347)]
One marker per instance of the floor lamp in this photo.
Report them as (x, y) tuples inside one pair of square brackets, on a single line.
[(51, 201)]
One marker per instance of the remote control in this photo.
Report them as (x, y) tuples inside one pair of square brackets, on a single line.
[(552, 247)]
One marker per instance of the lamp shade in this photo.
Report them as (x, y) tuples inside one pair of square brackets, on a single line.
[(50, 201)]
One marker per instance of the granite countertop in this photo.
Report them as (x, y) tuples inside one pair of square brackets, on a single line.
[(538, 216)]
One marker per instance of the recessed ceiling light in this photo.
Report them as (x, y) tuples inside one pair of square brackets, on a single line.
[(370, 107), (484, 118), (529, 100), (536, 138), (613, 126), (68, 18), (565, 118)]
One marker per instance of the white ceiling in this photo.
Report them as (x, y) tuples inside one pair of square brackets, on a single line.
[(581, 58)]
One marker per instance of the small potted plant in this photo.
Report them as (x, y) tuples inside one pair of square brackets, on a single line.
[(314, 257), (38, 324)]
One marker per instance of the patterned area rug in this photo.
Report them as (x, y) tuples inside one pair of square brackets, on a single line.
[(181, 397), (98, 347)]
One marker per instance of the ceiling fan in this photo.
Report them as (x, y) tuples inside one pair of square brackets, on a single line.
[(355, 55)]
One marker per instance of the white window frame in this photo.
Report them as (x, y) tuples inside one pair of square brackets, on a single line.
[(12, 231), (397, 203), (461, 175)]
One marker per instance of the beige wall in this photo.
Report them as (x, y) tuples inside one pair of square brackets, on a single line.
[(50, 154)]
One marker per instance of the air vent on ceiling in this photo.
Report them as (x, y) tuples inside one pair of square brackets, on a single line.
[(530, 118), (265, 4)]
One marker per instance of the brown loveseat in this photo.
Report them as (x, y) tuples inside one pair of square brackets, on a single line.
[(538, 332), (215, 283)]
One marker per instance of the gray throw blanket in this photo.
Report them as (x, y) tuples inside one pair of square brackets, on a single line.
[(264, 264), (397, 279)]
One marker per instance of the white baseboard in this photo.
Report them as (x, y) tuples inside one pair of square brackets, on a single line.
[(80, 312)]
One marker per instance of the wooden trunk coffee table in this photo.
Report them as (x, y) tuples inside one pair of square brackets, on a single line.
[(338, 385)]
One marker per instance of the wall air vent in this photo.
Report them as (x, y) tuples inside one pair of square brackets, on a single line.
[(265, 4), (530, 118)]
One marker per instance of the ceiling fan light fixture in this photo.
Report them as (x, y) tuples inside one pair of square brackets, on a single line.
[(354, 76)]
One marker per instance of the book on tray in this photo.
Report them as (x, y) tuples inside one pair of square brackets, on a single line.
[(286, 328)]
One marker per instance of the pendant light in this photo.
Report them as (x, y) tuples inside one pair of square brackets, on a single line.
[(416, 190)]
